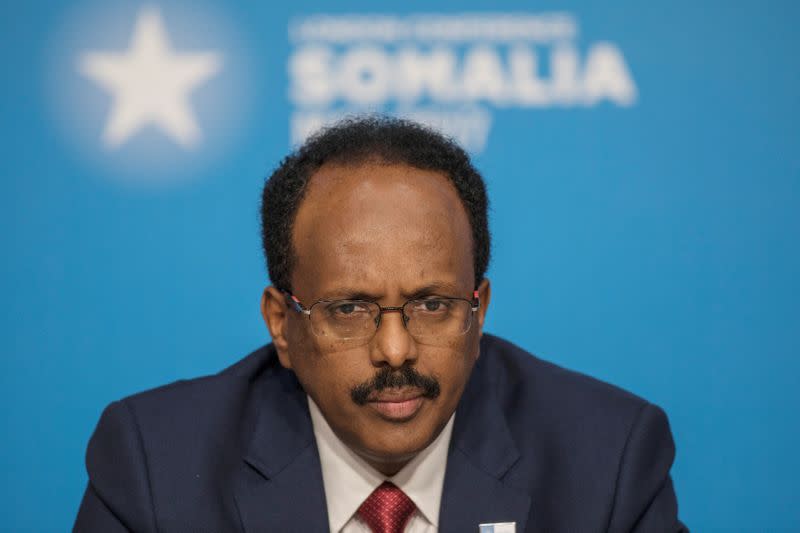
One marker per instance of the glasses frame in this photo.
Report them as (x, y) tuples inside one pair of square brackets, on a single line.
[(294, 303)]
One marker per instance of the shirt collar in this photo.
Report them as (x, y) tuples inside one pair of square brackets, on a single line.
[(348, 479)]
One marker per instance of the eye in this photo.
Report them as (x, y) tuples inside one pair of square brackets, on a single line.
[(347, 309), (430, 306)]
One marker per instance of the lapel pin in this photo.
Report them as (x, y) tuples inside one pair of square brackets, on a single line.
[(498, 527)]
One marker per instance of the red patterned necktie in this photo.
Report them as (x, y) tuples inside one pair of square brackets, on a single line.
[(387, 509)]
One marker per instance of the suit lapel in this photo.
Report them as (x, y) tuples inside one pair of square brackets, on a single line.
[(482, 451), (280, 486), (472, 496)]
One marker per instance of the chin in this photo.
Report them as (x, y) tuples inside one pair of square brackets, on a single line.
[(392, 458), (397, 444)]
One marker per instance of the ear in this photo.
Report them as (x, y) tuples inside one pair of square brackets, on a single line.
[(485, 296), (276, 316)]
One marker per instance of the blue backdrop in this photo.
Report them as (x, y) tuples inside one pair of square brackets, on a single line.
[(643, 161)]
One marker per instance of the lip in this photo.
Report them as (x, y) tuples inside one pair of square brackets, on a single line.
[(397, 405)]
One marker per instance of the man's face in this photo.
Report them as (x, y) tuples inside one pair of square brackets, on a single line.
[(386, 233)]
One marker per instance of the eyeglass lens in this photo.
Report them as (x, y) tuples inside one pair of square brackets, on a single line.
[(359, 320)]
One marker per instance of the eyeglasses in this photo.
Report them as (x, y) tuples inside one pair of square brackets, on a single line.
[(358, 320)]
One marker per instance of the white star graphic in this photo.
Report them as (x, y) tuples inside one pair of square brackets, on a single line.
[(150, 83)]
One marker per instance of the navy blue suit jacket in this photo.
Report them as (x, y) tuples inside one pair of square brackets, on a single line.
[(549, 449)]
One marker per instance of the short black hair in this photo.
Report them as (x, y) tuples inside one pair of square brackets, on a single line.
[(356, 140)]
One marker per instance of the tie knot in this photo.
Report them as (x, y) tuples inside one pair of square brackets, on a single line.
[(387, 509)]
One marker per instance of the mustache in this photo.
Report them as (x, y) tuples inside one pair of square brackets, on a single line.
[(386, 378)]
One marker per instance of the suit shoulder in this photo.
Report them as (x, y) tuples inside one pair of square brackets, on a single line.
[(177, 404), (521, 378), (176, 444), (590, 451)]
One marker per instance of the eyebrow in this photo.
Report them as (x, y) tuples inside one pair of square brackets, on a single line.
[(344, 293), (436, 288), (440, 288)]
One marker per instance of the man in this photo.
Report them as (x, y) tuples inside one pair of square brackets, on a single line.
[(380, 405)]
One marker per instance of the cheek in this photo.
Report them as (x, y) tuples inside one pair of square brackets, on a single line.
[(450, 365), (325, 371)]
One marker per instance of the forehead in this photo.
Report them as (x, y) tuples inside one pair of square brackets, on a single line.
[(332, 186), (372, 225)]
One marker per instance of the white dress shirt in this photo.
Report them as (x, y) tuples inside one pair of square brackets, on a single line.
[(349, 480)]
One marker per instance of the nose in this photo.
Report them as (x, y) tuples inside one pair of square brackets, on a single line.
[(392, 345)]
